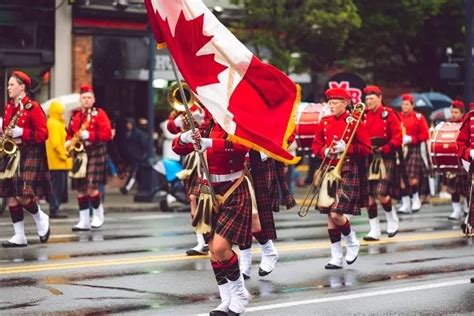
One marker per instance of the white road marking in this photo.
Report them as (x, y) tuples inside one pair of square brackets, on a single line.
[(356, 296)]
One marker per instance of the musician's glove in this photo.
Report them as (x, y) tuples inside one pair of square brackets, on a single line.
[(179, 121), (205, 144), (339, 146), (471, 153), (67, 144), (186, 137), (84, 135), (17, 132), (407, 139), (198, 116)]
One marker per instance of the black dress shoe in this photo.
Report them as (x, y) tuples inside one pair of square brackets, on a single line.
[(331, 266), (246, 277), (217, 313), (58, 216), (12, 245), (45, 238), (78, 229), (390, 235), (123, 191), (232, 313), (368, 238), (262, 272), (351, 262)]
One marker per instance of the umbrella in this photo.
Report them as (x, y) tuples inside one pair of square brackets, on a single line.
[(70, 102), (442, 114), (420, 100), (438, 99)]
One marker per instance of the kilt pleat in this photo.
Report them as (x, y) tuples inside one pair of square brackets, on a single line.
[(353, 189), (414, 163), (96, 168), (233, 219), (386, 186), (32, 177), (265, 182)]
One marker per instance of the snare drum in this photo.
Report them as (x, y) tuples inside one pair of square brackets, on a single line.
[(443, 149), (307, 117)]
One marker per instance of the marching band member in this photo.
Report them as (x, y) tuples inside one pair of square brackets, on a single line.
[(386, 137), (416, 132), (457, 183), (177, 123), (231, 224), (24, 174), (268, 176), (91, 127), (352, 194), (465, 142)]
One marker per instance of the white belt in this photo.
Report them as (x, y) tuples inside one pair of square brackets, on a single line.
[(225, 177)]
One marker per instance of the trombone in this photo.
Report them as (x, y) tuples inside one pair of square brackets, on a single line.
[(327, 178)]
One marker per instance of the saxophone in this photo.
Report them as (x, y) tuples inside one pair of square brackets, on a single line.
[(8, 146), (76, 144)]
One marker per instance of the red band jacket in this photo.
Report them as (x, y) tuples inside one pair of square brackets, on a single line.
[(415, 126), (465, 138), (99, 128), (223, 157), (32, 120), (331, 129), (384, 124)]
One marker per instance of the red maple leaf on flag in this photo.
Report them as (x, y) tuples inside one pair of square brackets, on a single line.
[(188, 40)]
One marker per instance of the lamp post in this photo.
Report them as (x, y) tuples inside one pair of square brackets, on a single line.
[(469, 5)]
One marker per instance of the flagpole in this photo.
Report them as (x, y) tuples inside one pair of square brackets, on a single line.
[(191, 122)]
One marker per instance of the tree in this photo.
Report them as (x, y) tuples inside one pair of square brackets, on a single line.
[(405, 41), (317, 30)]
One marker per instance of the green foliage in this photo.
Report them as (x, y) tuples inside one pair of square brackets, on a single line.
[(315, 29), (401, 41)]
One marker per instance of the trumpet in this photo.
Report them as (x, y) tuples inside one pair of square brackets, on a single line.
[(327, 178), (176, 102), (8, 145), (76, 144)]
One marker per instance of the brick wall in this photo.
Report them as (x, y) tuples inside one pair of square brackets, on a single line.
[(81, 59)]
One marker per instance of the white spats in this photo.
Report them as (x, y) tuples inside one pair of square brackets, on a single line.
[(269, 258), (97, 216), (245, 262), (240, 297), (353, 246), (457, 211), (337, 256), (374, 233), (84, 221), (405, 208), (392, 223), (19, 239), (224, 292)]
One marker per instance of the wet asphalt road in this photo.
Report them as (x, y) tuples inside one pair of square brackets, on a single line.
[(136, 265)]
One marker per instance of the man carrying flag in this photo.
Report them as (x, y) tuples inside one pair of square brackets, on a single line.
[(233, 84)]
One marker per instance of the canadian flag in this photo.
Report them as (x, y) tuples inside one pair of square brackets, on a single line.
[(254, 102)]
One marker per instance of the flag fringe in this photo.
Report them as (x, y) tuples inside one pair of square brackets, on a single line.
[(245, 142), (161, 45), (289, 130), (292, 122)]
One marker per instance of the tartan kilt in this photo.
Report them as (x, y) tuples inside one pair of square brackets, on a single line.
[(265, 184), (32, 177), (414, 163), (457, 183), (234, 217), (386, 186), (192, 184), (96, 168), (353, 190)]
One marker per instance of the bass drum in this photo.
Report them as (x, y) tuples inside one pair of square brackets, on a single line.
[(307, 117), (443, 149)]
